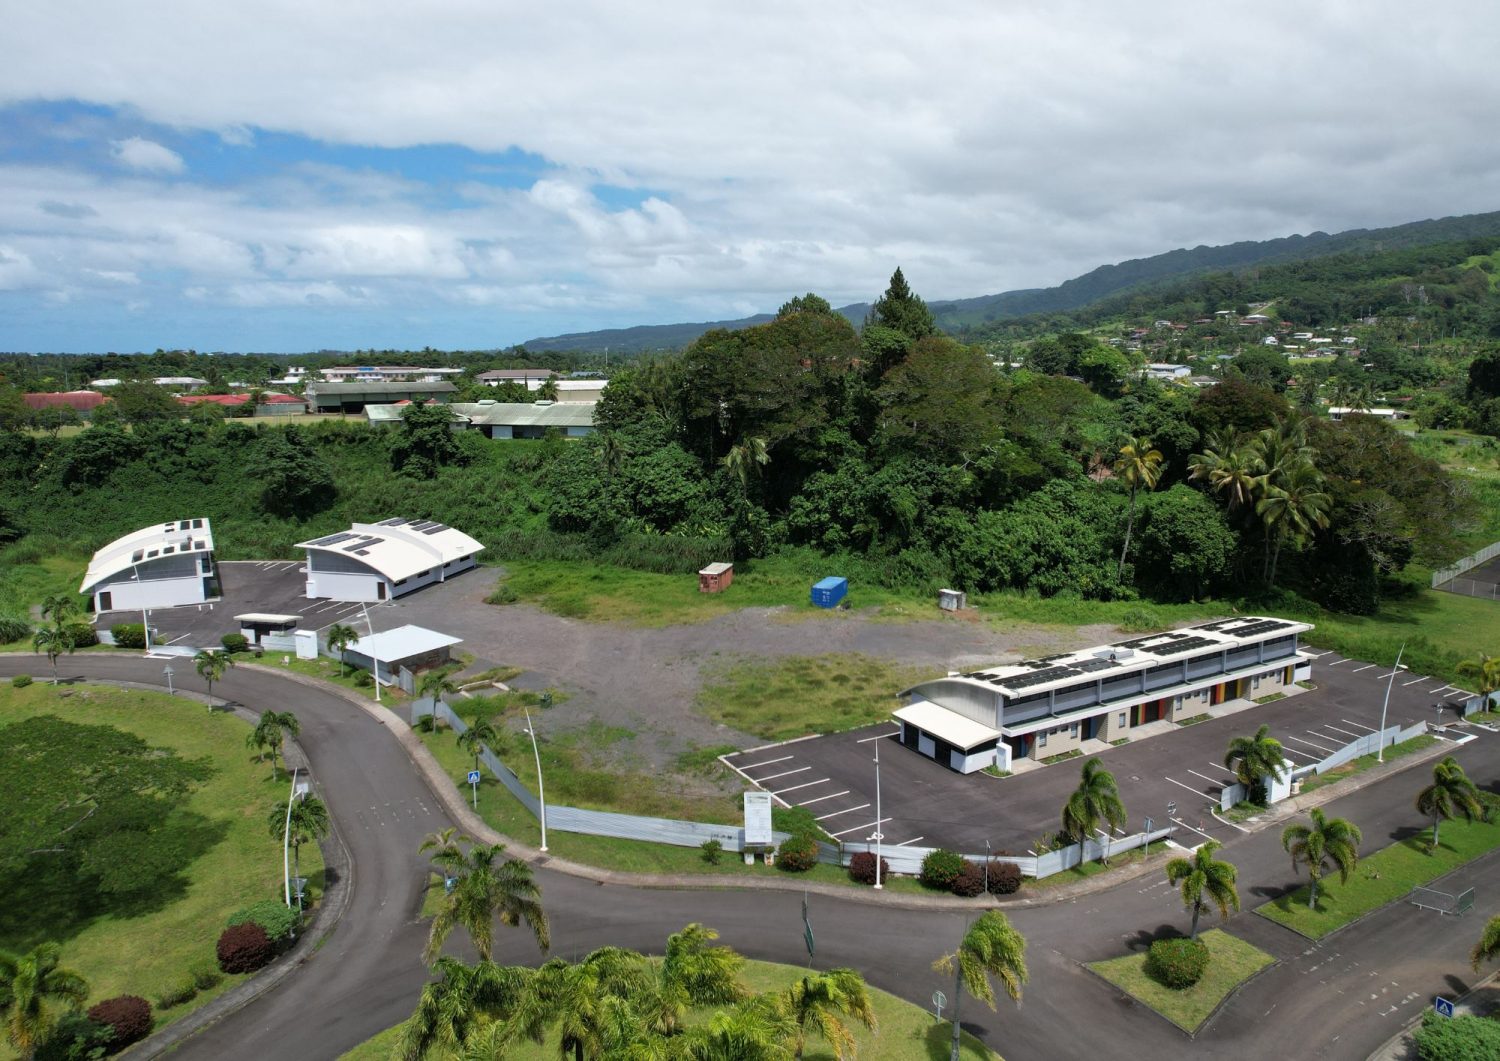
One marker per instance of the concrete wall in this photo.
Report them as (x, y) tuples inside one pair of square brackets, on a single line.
[(344, 585), (968, 764), (157, 593)]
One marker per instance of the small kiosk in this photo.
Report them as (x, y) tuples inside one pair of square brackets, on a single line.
[(715, 578)]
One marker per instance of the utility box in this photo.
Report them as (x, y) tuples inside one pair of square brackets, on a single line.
[(952, 600), (715, 578), (306, 643), (828, 592)]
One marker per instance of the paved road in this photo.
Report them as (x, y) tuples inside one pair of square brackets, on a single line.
[(367, 977)]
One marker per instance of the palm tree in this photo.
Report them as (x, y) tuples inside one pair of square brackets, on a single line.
[(60, 607), (1485, 670), (1139, 465), (1292, 506), (31, 985), (757, 1029), (270, 733), (53, 640), (1096, 799), (1253, 759), (1451, 795), (584, 1000), (1326, 843), (435, 685), (340, 637), (1488, 947), (746, 460), (455, 1010), (309, 821), (211, 665), (991, 947), (704, 975), (816, 1002), (474, 739), (1205, 877), (481, 892)]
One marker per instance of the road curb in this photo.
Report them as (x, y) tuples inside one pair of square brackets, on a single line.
[(1390, 1049)]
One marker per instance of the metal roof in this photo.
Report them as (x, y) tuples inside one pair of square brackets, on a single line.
[(404, 642), (399, 547), (527, 414), (340, 389), (958, 730), (148, 543), (266, 617)]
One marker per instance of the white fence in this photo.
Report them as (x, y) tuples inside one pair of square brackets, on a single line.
[(909, 859), (1468, 563), (1369, 744)]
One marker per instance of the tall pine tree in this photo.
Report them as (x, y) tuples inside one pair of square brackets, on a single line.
[(897, 320)]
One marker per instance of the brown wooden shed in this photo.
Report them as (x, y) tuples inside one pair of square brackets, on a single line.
[(715, 578)]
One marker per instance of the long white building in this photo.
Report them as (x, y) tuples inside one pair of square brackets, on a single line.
[(161, 566), (380, 561), (1048, 706)]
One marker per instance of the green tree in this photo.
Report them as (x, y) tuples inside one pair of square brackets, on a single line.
[(1488, 947), (1229, 468), (455, 1010), (818, 1001), (699, 972), (1293, 505), (745, 462), (294, 482), (426, 442), (1139, 465), (939, 402), (32, 985), (594, 1003), (211, 665), (1326, 844), (435, 685), (309, 823), (991, 947), (1205, 879), (481, 732), (53, 640), (1451, 795), (1186, 549), (270, 733), (340, 636), (1485, 670), (1095, 800), (900, 308), (60, 607), (484, 888), (757, 1029), (1253, 759), (144, 403)]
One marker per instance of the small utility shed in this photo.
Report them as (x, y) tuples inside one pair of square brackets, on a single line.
[(406, 647), (715, 578), (268, 629)]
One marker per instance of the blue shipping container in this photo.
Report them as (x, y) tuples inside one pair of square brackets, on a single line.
[(828, 592)]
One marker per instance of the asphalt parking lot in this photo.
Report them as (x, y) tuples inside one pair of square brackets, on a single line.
[(925, 804)]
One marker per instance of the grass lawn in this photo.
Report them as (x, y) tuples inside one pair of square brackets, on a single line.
[(1366, 762), (1381, 878), (143, 944), (904, 1032), (1232, 962), (784, 698)]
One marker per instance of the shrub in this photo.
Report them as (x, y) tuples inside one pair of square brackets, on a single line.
[(20, 681), (75, 1038), (83, 635), (970, 880), (129, 1017), (1005, 878), (244, 948), (862, 868), (797, 854), (939, 869), (235, 643), (1177, 963), (273, 915), (1140, 620), (1457, 1038), (14, 628), (502, 594), (364, 679), (129, 635), (206, 976), (184, 989), (712, 850)]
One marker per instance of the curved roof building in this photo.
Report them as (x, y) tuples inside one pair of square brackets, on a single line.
[(161, 566), (379, 561)]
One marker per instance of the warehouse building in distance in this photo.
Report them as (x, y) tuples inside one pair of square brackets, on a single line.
[(162, 566), (353, 397), (1049, 706), (373, 562)]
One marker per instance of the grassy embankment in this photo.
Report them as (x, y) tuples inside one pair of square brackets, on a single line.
[(903, 1031), (1232, 962), (143, 944), (1381, 878)]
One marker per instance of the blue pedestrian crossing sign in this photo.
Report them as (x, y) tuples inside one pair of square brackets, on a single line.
[(473, 777), (1443, 1006)]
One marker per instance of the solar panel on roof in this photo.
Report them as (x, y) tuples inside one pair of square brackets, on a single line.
[(435, 528), (364, 545), (394, 521), (1178, 647), (1088, 666), (1264, 626), (1040, 677), (333, 539)]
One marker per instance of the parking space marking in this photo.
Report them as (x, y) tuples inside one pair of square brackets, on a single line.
[(1389, 674), (766, 762), (1460, 693), (1190, 788), (1303, 755), (1345, 732), (1367, 666), (1439, 690), (1299, 740), (1360, 725), (820, 799), (784, 773), (1210, 780), (835, 814), (1336, 662), (867, 825), (1415, 681), (1190, 829), (808, 784), (906, 843)]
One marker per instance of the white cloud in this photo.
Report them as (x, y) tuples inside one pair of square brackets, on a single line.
[(147, 156)]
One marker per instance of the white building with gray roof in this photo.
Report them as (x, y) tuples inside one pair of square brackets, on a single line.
[(165, 565), (373, 562)]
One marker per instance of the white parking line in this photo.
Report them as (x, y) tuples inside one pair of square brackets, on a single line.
[(1303, 755), (765, 762), (808, 784), (1415, 681), (1345, 732), (868, 825), (1299, 740), (1336, 662), (913, 840), (784, 773), (1383, 677), (1367, 666), (835, 814), (1190, 829), (820, 799), (1439, 690), (1461, 694), (1358, 725), (1210, 780), (1190, 788)]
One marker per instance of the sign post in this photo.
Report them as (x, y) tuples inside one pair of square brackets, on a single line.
[(1443, 1006), (474, 786), (807, 932), (939, 1000)]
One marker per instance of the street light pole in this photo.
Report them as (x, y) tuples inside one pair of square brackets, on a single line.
[(286, 841), (986, 867), (1380, 753), (541, 793), (168, 672), (145, 621), (879, 836), (375, 663)]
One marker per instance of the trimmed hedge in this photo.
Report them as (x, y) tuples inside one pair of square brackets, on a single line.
[(862, 868), (1005, 878), (128, 1017), (1177, 963), (1458, 1038), (970, 880), (128, 635), (940, 869), (83, 635), (273, 915), (235, 643), (797, 854), (244, 948), (20, 681)]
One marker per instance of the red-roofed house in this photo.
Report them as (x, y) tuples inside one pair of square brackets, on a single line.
[(78, 401)]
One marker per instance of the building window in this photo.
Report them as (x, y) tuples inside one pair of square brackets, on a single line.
[(1073, 730), (1041, 739), (1121, 723)]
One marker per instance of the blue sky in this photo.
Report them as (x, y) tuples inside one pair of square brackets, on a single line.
[(270, 176)]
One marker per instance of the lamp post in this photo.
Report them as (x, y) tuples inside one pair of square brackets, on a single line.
[(541, 793), (375, 663), (878, 836), (167, 673), (986, 867), (298, 788), (1380, 753), (1148, 834), (145, 620)]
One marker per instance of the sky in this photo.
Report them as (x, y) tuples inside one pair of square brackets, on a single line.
[(286, 176)]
